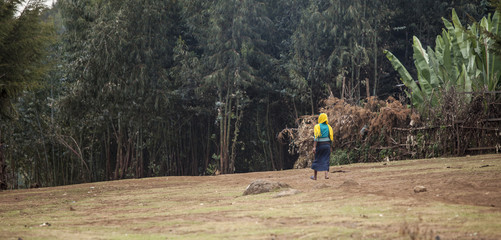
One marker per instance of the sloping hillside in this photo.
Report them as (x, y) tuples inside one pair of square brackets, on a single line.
[(462, 201)]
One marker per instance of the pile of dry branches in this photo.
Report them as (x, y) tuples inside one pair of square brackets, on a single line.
[(351, 125)]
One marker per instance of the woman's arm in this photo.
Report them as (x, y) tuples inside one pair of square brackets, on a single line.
[(314, 147)]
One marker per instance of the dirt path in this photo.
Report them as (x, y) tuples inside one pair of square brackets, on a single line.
[(462, 201)]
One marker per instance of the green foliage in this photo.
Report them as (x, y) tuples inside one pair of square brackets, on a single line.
[(340, 157), (23, 46), (461, 60), (333, 42), (122, 91), (495, 4), (415, 94), (212, 168), (240, 70)]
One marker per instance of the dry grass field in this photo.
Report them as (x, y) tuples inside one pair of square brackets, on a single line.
[(360, 201)]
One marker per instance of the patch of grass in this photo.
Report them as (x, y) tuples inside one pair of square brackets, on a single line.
[(214, 208)]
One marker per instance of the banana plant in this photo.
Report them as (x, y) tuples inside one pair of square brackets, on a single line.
[(491, 63), (415, 94), (461, 59), (423, 92)]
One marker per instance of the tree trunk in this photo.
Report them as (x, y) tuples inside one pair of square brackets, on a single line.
[(3, 166), (207, 147), (47, 169), (225, 116), (107, 149), (374, 89), (239, 113), (228, 134), (268, 130), (367, 91), (119, 157), (311, 99), (343, 89)]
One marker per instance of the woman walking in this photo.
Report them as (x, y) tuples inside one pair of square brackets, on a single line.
[(322, 146)]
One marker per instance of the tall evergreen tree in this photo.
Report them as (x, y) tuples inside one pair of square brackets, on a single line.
[(235, 51), (121, 88), (24, 39)]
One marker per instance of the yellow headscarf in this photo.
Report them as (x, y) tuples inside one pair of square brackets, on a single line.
[(321, 119)]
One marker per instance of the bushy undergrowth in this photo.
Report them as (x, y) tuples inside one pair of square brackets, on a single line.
[(340, 157)]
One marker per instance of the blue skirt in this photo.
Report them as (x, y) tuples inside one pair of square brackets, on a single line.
[(322, 157)]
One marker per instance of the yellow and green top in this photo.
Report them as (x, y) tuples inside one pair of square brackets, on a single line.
[(323, 131)]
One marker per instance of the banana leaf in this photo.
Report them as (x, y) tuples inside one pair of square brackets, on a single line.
[(416, 94), (493, 64), (426, 77), (421, 59)]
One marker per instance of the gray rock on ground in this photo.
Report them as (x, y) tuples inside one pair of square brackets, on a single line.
[(262, 186), (418, 189)]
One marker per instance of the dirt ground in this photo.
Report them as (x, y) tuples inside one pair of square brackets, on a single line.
[(360, 201)]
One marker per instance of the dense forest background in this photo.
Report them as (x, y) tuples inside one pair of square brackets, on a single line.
[(95, 90)]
